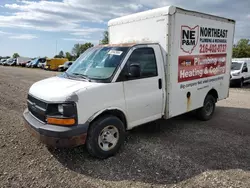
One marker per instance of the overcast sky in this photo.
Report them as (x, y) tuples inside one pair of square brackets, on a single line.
[(32, 27)]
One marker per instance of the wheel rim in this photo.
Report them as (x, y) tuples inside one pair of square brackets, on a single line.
[(209, 108), (108, 138)]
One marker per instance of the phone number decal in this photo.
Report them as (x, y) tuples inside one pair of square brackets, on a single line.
[(213, 48)]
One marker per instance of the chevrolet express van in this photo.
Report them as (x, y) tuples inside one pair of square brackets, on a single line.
[(158, 64)]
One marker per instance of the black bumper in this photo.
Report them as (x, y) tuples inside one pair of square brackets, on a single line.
[(54, 135)]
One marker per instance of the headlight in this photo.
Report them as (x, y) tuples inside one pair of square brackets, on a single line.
[(236, 74), (62, 114), (60, 109)]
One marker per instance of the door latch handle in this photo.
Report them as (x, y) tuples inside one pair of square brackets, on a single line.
[(160, 83)]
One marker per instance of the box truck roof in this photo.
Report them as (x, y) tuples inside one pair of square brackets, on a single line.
[(157, 12), (152, 26), (143, 15)]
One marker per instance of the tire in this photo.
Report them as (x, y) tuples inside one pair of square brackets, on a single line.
[(206, 112), (95, 142), (241, 83)]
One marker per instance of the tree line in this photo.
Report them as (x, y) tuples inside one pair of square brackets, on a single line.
[(240, 50), (76, 51), (78, 48)]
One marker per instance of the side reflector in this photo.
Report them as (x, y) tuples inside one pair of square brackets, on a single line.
[(57, 121)]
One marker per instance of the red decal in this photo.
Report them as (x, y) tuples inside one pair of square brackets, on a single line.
[(194, 67)]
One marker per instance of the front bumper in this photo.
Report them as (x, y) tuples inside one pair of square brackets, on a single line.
[(54, 135), (235, 81)]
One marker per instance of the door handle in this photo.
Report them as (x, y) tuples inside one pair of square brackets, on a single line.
[(160, 83)]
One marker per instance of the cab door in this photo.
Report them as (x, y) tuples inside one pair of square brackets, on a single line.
[(245, 72), (144, 93)]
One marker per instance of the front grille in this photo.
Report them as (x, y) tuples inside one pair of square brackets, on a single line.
[(37, 108), (37, 102)]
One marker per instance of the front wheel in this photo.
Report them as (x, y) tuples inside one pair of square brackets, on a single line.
[(206, 112), (105, 136), (241, 83)]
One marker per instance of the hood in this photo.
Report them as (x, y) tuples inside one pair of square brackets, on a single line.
[(234, 71), (58, 89)]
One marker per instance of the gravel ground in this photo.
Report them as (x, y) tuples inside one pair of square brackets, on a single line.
[(181, 152)]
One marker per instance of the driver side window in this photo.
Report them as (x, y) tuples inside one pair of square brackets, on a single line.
[(245, 69), (145, 58)]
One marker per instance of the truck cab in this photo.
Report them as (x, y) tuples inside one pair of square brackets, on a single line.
[(112, 83)]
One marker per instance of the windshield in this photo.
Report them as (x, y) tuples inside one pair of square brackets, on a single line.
[(33, 62), (10, 61), (236, 66), (98, 62)]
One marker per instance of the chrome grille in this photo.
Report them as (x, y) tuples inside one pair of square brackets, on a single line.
[(37, 107)]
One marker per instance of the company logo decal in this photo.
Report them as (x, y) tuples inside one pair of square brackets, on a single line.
[(189, 38)]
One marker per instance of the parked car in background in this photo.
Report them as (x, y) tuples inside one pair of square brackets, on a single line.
[(34, 63), (12, 62), (8, 62), (23, 64), (21, 60), (42, 63), (54, 63), (2, 61), (65, 66), (5, 63), (28, 64)]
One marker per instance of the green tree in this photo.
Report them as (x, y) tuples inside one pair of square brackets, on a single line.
[(78, 49), (86, 46), (105, 39), (68, 56), (16, 55), (60, 55), (242, 49)]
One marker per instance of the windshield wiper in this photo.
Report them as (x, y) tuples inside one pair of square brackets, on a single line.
[(82, 76)]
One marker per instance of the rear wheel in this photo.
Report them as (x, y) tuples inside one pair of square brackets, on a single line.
[(105, 136), (206, 112)]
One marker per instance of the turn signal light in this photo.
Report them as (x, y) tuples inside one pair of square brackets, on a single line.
[(58, 121)]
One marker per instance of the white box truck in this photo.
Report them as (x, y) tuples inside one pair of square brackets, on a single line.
[(158, 64)]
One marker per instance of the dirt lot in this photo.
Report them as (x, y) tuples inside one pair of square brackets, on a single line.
[(181, 152)]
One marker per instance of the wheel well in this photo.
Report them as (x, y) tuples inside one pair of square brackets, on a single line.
[(214, 93), (119, 114)]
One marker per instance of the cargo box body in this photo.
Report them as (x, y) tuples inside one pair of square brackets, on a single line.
[(196, 48)]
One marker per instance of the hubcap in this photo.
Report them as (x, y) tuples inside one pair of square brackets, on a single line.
[(108, 138), (209, 108)]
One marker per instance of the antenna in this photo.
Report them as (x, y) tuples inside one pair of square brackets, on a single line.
[(56, 47)]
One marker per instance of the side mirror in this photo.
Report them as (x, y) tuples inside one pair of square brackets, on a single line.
[(245, 69), (134, 70)]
